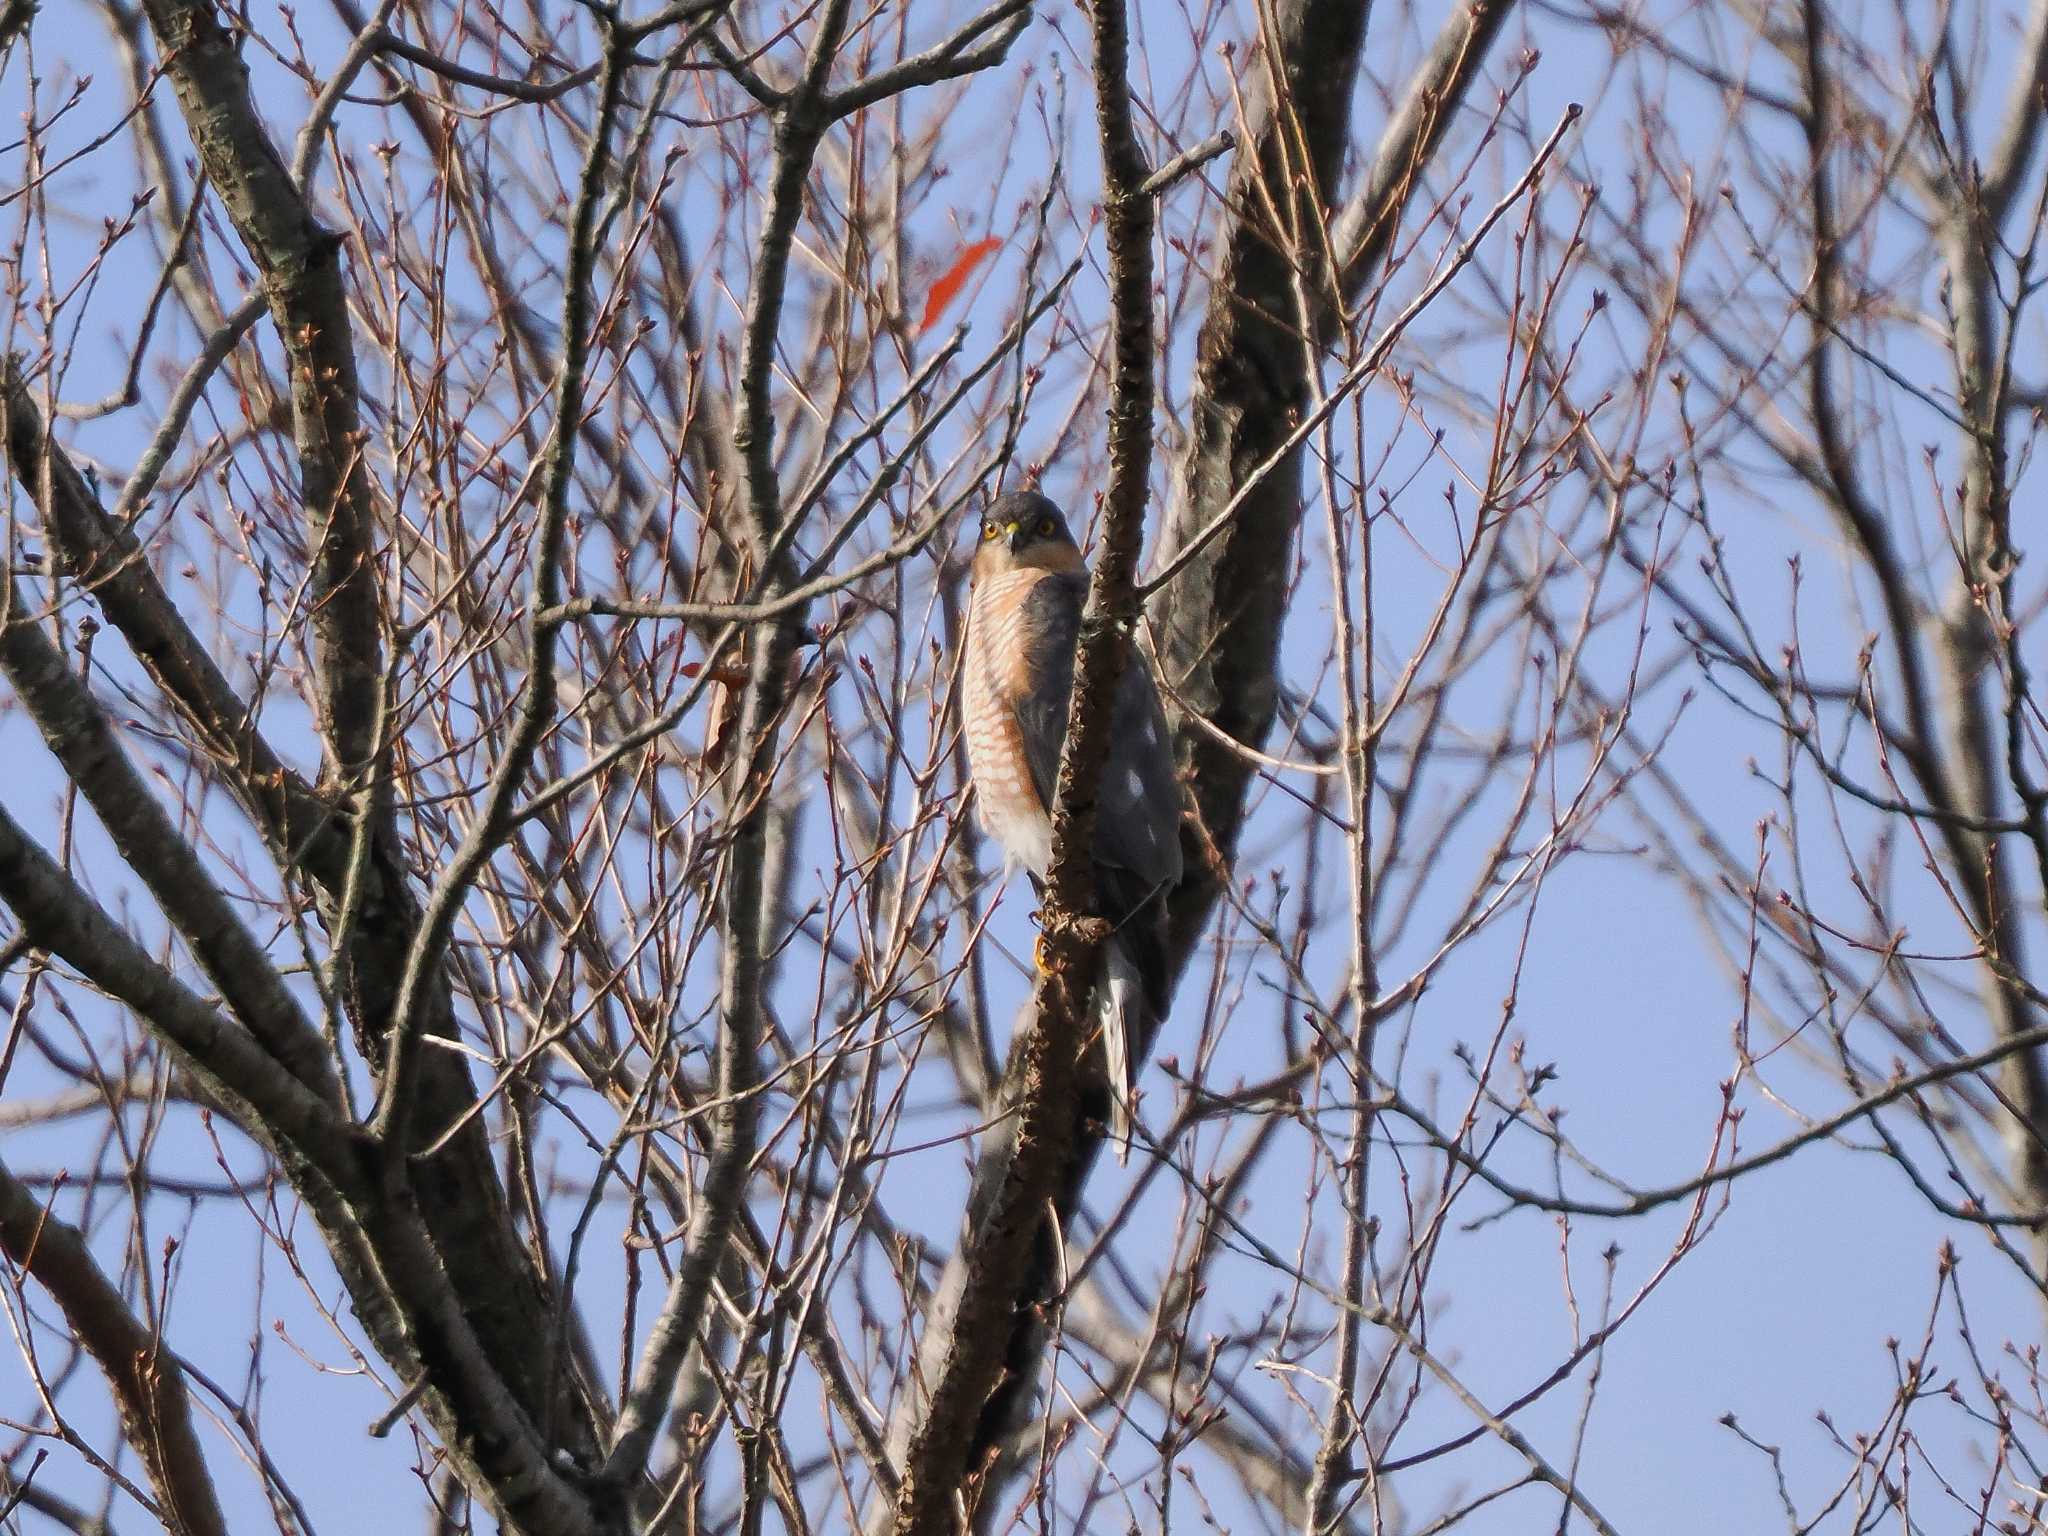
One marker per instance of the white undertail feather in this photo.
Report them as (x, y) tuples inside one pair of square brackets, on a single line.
[(1119, 1006)]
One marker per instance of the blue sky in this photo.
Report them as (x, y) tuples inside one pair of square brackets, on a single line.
[(1812, 1265)]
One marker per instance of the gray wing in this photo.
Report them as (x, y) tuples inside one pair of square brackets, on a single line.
[(1137, 817), (1051, 621), (1137, 825)]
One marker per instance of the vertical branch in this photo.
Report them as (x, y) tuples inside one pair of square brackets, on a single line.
[(1977, 609), (1218, 622), (537, 699), (301, 266), (986, 1303), (1112, 601), (801, 118), (1357, 749)]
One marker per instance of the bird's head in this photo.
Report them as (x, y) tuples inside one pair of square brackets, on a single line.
[(1024, 528)]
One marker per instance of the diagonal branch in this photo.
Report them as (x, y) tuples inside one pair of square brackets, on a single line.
[(301, 266), (1365, 230), (1501, 1429), (985, 40), (55, 915), (400, 1283), (100, 553), (458, 1192), (2021, 120), (147, 1383), (76, 731)]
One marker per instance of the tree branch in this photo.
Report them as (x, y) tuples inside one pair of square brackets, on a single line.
[(958, 55), (2019, 132), (76, 732), (537, 699), (301, 266), (59, 917), (458, 1192), (976, 1334), (101, 554), (147, 1383), (800, 122), (1365, 229), (1220, 620)]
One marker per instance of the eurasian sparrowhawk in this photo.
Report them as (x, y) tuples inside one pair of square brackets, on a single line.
[(1023, 625)]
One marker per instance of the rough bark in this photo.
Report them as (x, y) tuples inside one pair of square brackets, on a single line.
[(1219, 625), (984, 1364), (459, 1193), (148, 1384)]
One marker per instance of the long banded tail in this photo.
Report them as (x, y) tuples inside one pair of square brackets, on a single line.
[(1126, 1004)]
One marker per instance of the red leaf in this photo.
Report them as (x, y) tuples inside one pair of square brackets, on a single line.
[(948, 287)]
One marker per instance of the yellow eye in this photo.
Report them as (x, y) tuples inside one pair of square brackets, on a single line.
[(991, 531), (1046, 526)]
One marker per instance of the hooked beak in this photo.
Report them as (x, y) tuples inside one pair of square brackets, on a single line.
[(1011, 533)]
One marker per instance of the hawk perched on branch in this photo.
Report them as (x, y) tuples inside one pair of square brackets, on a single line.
[(1023, 625)]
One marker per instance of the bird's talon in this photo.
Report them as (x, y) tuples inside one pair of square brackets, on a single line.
[(1039, 957)]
